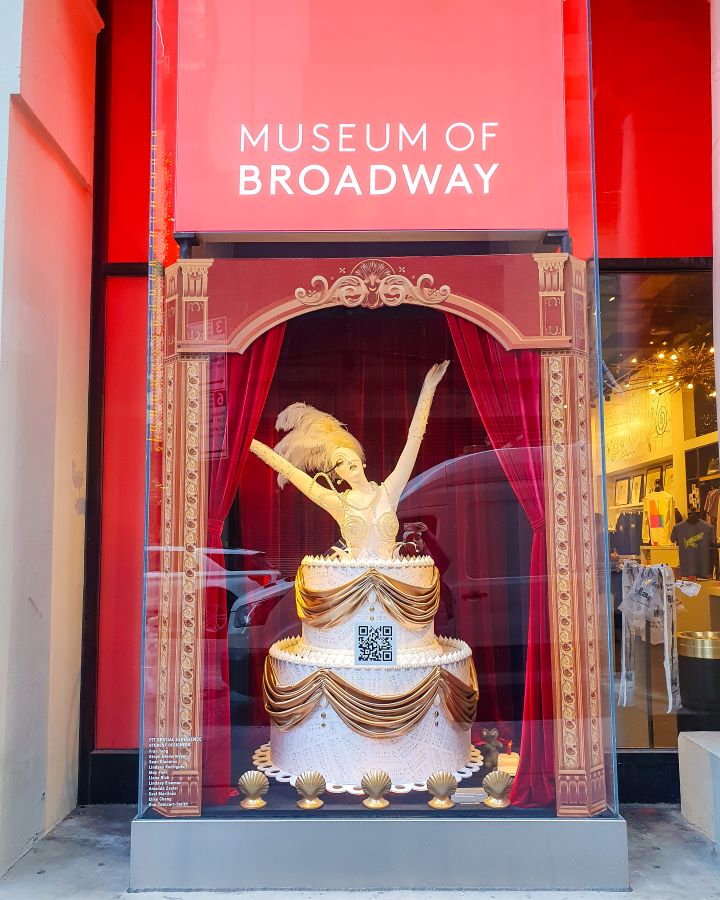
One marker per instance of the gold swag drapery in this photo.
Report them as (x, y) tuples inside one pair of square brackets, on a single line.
[(368, 714), (412, 606)]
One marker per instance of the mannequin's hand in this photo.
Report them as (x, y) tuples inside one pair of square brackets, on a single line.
[(434, 376)]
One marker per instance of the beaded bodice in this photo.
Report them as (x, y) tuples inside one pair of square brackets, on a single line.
[(367, 519), (369, 529)]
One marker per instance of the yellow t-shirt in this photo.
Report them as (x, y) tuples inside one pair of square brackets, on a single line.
[(658, 517)]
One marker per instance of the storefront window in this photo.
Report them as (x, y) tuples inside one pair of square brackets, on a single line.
[(663, 481), (360, 540), (376, 561)]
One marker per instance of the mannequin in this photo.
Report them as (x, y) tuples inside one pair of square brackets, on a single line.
[(318, 442), (658, 516)]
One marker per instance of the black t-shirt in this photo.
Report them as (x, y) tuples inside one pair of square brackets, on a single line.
[(693, 540)]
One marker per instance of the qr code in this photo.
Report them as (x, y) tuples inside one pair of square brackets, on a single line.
[(374, 644)]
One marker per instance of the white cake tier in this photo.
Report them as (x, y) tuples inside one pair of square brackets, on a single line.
[(321, 574), (322, 742), (441, 652)]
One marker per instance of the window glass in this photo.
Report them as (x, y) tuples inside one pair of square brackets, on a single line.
[(663, 482)]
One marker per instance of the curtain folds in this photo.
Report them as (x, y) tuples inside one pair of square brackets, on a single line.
[(248, 377), (505, 386)]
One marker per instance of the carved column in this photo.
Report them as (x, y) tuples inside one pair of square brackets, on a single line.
[(572, 569), (174, 751)]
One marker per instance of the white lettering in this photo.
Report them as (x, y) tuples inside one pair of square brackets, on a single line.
[(458, 179), (488, 134), (421, 174), (369, 142), (450, 129), (486, 176), (252, 174), (262, 136), (325, 175), (403, 132), (345, 132), (299, 140), (321, 137), (392, 179), (279, 176), (348, 180)]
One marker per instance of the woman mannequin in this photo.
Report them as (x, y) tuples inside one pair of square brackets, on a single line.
[(317, 442)]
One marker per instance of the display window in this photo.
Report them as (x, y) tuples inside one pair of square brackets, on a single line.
[(374, 511), (663, 483), (376, 545)]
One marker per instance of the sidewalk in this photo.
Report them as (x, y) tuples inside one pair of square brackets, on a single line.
[(86, 858)]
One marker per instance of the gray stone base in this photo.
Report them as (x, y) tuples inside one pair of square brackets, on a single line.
[(372, 853), (699, 753)]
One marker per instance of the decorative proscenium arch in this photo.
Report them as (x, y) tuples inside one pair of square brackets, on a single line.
[(223, 305), (370, 283)]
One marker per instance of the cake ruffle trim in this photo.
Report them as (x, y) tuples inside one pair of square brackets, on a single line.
[(368, 562), (297, 650), (367, 713), (414, 607)]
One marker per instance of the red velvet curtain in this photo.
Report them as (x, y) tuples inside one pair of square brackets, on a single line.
[(505, 386), (247, 377)]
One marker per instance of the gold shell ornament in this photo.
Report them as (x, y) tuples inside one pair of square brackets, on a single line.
[(375, 784), (310, 785), (497, 784), (253, 784), (442, 785)]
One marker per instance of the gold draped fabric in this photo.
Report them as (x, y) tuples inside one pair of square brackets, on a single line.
[(369, 714), (412, 606)]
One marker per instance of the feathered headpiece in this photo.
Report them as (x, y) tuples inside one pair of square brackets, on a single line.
[(312, 438)]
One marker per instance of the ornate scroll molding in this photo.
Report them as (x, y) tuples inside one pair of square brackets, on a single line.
[(176, 746), (559, 545), (572, 570), (551, 294), (597, 792), (186, 304), (574, 602), (578, 288), (372, 283)]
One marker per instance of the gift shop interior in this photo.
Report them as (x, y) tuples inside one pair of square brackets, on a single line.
[(663, 488)]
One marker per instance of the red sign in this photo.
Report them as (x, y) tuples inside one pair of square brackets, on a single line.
[(323, 115)]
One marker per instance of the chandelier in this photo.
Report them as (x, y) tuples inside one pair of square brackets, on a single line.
[(688, 366)]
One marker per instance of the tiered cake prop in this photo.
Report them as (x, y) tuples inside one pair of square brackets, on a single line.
[(368, 685)]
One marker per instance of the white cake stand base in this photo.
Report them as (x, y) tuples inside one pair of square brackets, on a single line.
[(262, 760)]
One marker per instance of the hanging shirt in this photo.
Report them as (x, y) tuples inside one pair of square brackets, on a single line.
[(693, 540), (634, 531), (658, 517), (711, 505), (648, 600), (626, 537)]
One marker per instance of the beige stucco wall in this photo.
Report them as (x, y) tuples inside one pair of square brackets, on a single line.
[(46, 151)]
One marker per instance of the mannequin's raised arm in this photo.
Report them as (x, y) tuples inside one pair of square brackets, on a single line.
[(325, 498), (400, 475)]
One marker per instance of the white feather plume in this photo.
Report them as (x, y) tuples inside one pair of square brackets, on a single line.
[(312, 437)]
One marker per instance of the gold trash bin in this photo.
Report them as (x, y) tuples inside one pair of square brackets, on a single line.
[(699, 669)]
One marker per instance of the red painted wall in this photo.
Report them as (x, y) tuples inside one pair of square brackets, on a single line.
[(128, 131), (652, 145), (651, 74), (123, 490), (127, 168)]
